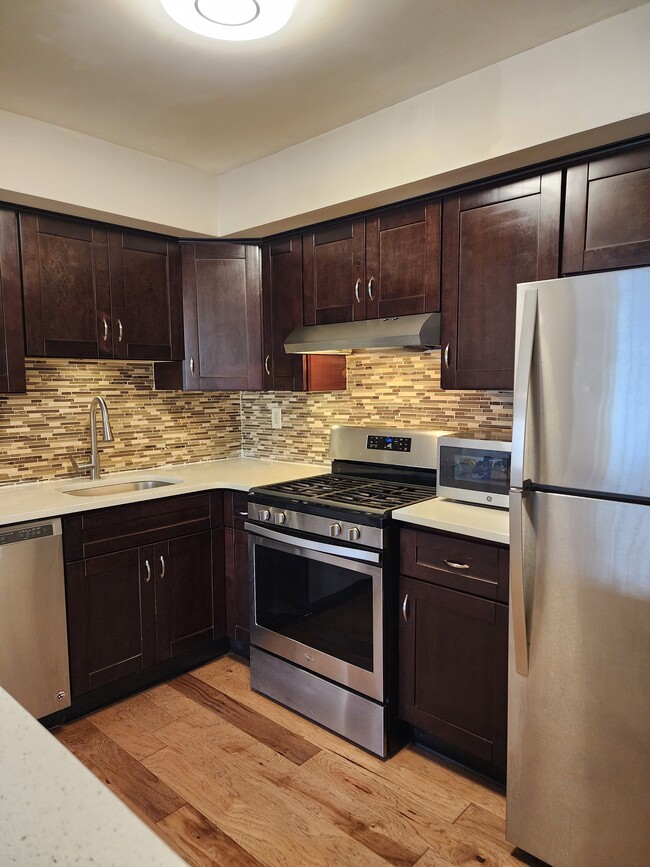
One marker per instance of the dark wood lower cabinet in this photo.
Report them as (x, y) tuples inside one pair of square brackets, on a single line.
[(236, 568), (142, 598), (453, 672)]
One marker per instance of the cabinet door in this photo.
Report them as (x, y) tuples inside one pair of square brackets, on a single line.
[(403, 261), (282, 309), (333, 274), (222, 312), (189, 593), (146, 297), (12, 358), (607, 213), (237, 586), (111, 617), (282, 312), (453, 668), (66, 288), (493, 238)]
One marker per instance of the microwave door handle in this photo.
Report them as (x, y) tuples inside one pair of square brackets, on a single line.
[(312, 545)]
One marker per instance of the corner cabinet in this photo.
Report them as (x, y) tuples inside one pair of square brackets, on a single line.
[(493, 238), (222, 320), (95, 292), (607, 212), (282, 311), (12, 358), (453, 645), (385, 265), (144, 586)]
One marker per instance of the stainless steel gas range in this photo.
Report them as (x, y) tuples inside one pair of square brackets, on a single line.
[(324, 563)]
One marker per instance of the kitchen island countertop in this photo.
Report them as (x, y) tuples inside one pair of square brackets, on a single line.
[(32, 501), (479, 522)]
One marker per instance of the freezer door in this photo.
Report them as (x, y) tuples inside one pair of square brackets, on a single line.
[(578, 725), (589, 399)]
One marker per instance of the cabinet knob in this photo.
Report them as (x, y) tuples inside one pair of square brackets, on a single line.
[(357, 290), (405, 607), (335, 529), (371, 294)]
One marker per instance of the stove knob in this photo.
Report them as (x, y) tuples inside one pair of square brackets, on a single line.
[(353, 534), (335, 529), (263, 515), (279, 518)]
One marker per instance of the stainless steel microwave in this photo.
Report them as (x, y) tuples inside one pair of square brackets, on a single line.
[(474, 471)]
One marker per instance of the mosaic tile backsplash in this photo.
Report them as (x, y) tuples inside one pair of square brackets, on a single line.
[(39, 430), (399, 388)]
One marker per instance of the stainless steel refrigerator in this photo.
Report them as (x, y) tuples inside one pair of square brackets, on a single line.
[(578, 785)]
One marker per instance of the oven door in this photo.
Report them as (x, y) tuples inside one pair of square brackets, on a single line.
[(320, 606)]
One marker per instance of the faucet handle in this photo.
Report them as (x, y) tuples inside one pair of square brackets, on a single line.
[(80, 468)]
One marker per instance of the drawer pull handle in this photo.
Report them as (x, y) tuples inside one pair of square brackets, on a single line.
[(148, 568), (453, 565), (405, 607), (162, 567), (242, 514)]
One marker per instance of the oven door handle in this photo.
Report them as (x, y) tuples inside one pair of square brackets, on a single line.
[(309, 544)]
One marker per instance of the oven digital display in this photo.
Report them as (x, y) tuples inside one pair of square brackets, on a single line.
[(389, 444)]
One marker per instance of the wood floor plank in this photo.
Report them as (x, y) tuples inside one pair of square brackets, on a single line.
[(263, 823), (118, 723), (119, 770), (282, 740), (149, 714), (171, 700), (202, 843), (482, 823)]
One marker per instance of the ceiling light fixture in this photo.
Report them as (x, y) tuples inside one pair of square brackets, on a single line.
[(235, 20)]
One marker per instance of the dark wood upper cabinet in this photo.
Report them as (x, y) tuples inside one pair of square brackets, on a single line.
[(66, 288), (384, 265), (12, 352), (333, 269), (146, 297), (492, 239), (607, 213), (222, 314), (282, 311), (94, 293), (403, 261)]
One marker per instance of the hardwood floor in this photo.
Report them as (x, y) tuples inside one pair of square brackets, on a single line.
[(229, 778)]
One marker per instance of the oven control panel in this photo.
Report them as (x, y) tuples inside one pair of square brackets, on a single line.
[(389, 444)]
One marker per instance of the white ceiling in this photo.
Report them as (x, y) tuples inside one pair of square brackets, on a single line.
[(123, 71)]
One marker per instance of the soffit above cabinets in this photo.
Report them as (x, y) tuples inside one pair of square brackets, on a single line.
[(126, 73)]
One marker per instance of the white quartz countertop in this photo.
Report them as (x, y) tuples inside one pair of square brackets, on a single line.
[(480, 522), (35, 500), (53, 810)]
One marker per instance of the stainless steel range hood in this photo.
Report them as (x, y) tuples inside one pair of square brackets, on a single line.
[(421, 331)]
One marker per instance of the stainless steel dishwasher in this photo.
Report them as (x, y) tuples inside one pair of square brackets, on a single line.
[(33, 632)]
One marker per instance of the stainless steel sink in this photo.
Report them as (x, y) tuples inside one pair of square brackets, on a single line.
[(119, 488)]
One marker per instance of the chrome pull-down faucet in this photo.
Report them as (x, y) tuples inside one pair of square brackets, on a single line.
[(94, 465)]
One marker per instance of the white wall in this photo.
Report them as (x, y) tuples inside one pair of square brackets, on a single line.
[(589, 88), (53, 168)]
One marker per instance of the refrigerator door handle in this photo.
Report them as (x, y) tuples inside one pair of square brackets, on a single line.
[(517, 597), (523, 369)]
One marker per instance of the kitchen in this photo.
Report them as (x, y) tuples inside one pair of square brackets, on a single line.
[(149, 431)]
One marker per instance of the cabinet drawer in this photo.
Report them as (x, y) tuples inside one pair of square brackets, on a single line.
[(90, 534), (480, 568)]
